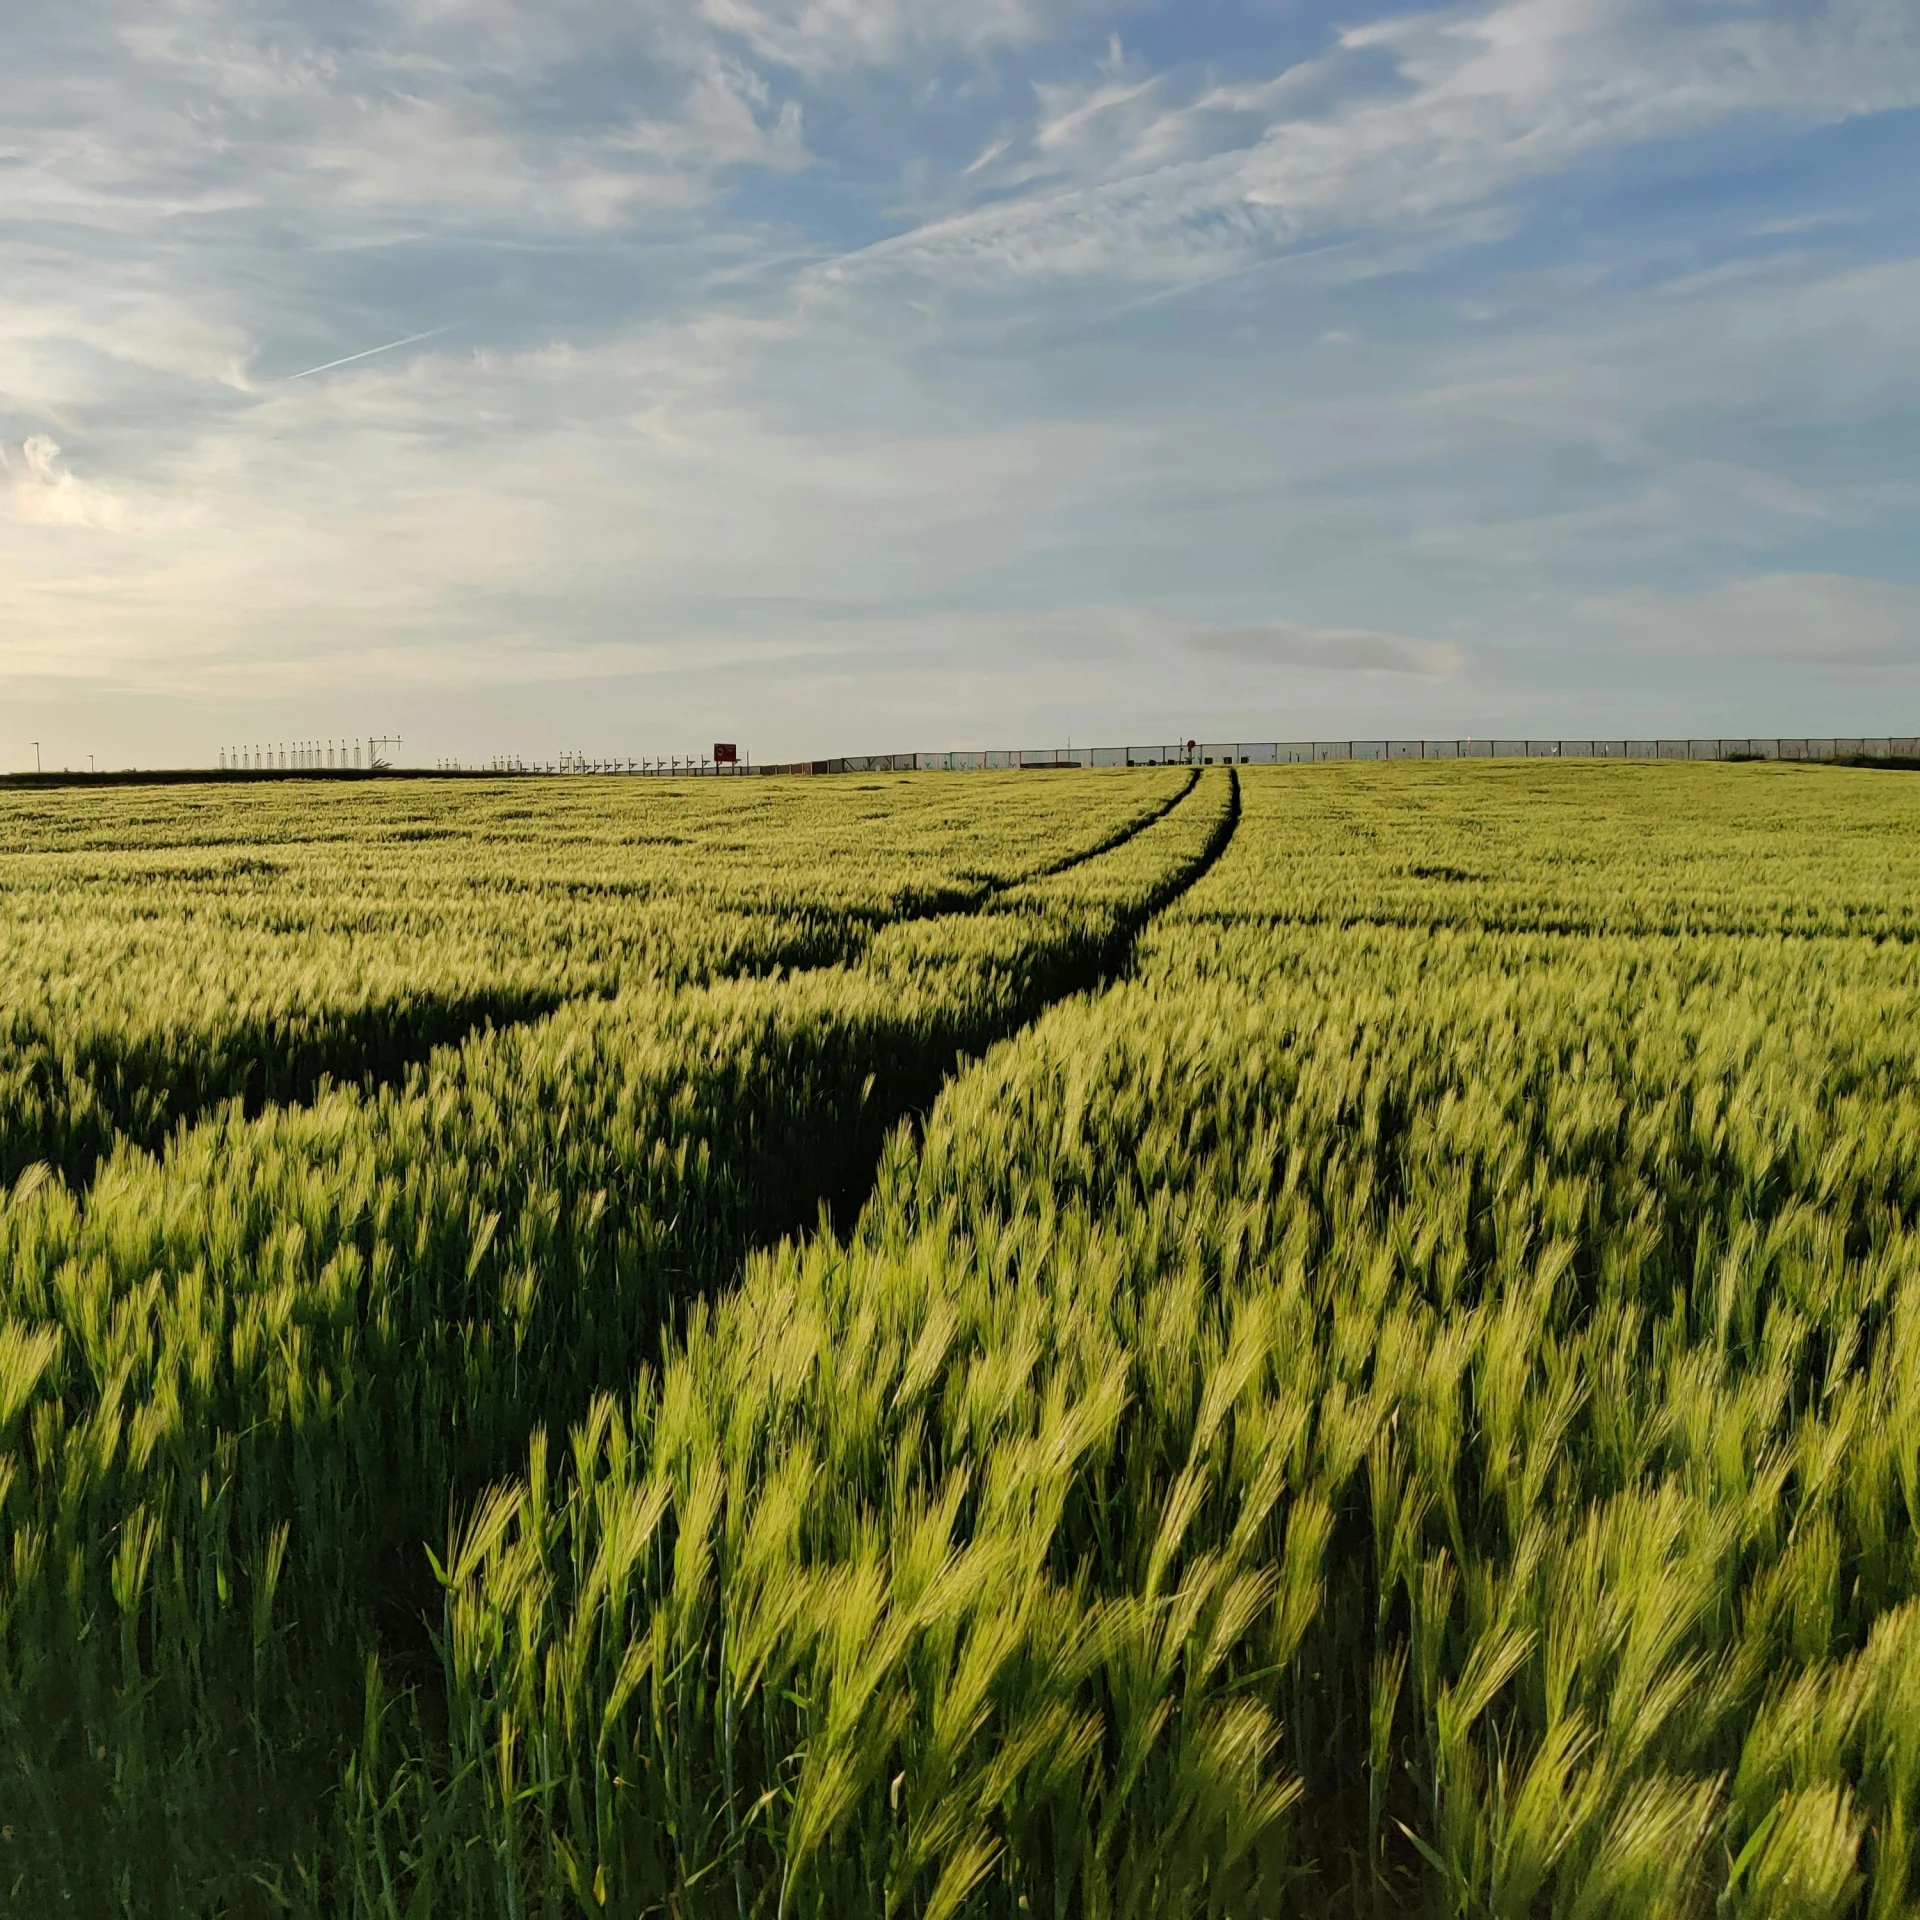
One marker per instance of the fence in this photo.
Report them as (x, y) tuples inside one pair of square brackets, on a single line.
[(1294, 752)]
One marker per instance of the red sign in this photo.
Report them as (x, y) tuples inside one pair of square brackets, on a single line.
[(725, 754)]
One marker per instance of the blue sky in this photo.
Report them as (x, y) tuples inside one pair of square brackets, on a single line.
[(836, 375)]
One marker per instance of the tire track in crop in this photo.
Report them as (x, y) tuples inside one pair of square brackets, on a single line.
[(1127, 830), (822, 1157), (787, 1142), (452, 1278), (936, 906), (825, 1162), (1081, 969), (70, 1109)]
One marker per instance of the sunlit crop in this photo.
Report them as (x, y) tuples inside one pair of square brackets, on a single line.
[(1341, 1340)]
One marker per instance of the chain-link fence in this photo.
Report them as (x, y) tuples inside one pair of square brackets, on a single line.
[(1287, 752)]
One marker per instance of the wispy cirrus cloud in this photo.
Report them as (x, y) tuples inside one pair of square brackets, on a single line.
[(1040, 363), (823, 36), (1410, 120)]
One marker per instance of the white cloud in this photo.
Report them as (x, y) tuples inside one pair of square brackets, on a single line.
[(1069, 115), (1822, 619), (1473, 103), (822, 36), (525, 507), (666, 439), (727, 118), (398, 118), (46, 494), (1283, 643)]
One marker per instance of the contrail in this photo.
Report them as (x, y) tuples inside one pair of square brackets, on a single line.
[(347, 359)]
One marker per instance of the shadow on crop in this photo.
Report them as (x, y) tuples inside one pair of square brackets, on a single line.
[(71, 1103)]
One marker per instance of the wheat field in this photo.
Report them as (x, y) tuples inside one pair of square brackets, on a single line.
[(1334, 1340)]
